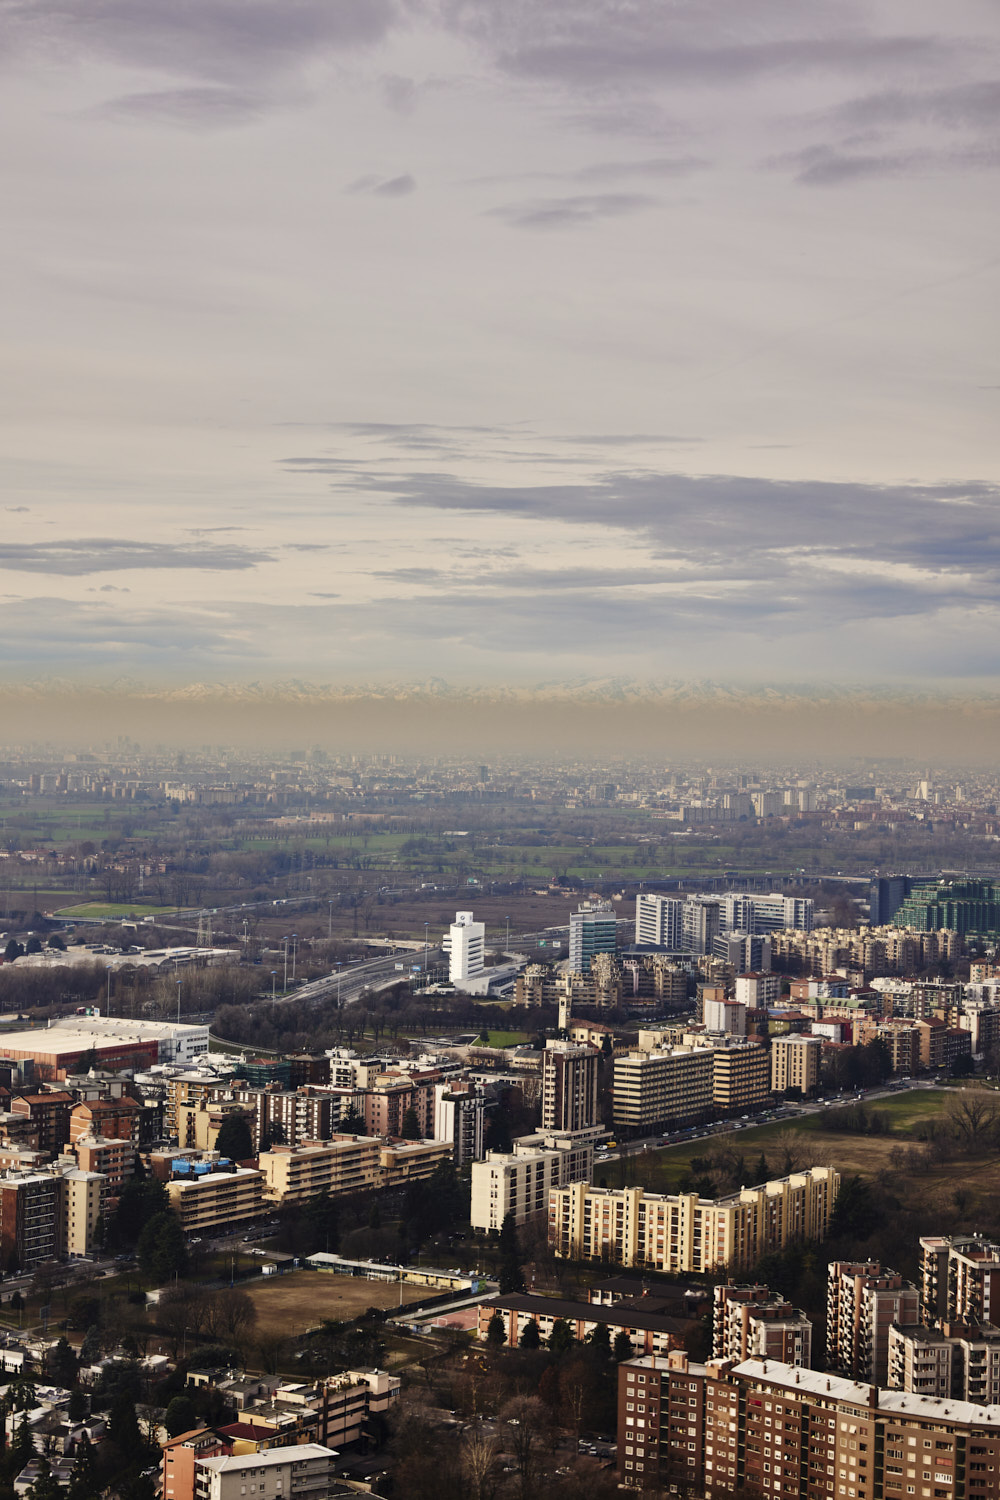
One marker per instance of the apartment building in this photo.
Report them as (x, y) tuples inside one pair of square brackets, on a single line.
[(863, 1301), (752, 1322), (659, 921), (569, 1086), (795, 1063), (51, 1113), (216, 1198), (347, 1164), (348, 1401), (30, 1219), (400, 1162), (741, 1077), (757, 990), (963, 1363), (960, 1280), (392, 1094), (763, 1427), (112, 1119), (304, 1472), (519, 1181), (460, 1119), (179, 1457), (81, 1209), (682, 1232), (113, 1159), (669, 1086)]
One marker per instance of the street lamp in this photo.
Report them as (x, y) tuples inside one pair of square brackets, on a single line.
[(295, 949), (339, 962), (179, 1002), (107, 1005), (426, 925), (274, 975), (284, 986), (507, 920), (329, 921)]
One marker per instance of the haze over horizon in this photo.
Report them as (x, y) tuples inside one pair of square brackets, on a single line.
[(388, 341)]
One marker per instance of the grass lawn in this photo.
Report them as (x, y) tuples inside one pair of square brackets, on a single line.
[(660, 1171), (507, 1038), (96, 910)]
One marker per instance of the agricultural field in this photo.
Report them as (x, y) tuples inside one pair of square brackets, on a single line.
[(292, 1303)]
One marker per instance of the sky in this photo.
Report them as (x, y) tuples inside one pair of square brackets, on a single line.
[(500, 344)]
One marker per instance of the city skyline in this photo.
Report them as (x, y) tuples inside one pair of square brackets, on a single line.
[(385, 342)]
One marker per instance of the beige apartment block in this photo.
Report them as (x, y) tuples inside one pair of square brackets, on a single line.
[(346, 1164), (217, 1199), (400, 1162), (682, 1232), (81, 1210), (652, 1089), (795, 1063), (518, 1182)]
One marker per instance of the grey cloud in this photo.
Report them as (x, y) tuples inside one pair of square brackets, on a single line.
[(399, 93), (78, 557), (817, 539), (572, 212), (970, 105), (219, 40), (383, 187), (201, 108), (656, 166), (16, 510), (827, 166), (66, 633)]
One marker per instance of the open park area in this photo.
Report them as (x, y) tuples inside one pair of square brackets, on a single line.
[(299, 1300)]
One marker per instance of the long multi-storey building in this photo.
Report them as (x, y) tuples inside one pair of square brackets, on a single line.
[(218, 1197), (770, 1429), (659, 921), (682, 1232), (795, 1063), (668, 1086), (348, 1164)]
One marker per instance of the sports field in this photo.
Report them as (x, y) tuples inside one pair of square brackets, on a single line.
[(299, 1300)]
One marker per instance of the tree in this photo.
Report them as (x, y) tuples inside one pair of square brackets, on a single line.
[(561, 1337), (599, 1340), (12, 951), (496, 1330), (162, 1250), (55, 941), (855, 1213), (410, 1128), (622, 1346), (33, 945), (353, 1123), (78, 1405), (235, 1138), (141, 1198), (511, 1277), (90, 1349), (84, 1484), (530, 1337), (232, 1316), (180, 1416), (22, 1448), (63, 1363), (123, 1429)]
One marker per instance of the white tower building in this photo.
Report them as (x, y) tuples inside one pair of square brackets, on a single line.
[(466, 946)]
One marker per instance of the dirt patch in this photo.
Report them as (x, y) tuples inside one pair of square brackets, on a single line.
[(301, 1299)]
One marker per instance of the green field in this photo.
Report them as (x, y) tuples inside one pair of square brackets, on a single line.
[(99, 911), (660, 1171)]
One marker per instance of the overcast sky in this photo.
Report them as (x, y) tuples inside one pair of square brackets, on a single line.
[(500, 341)]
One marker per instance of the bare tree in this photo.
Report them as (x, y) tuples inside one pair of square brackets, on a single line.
[(974, 1118), (480, 1467)]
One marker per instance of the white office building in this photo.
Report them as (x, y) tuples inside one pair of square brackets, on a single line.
[(465, 944), (518, 1182)]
